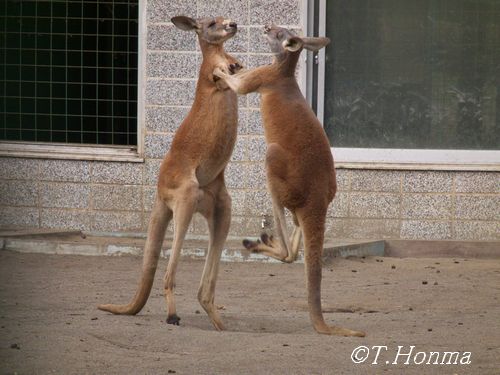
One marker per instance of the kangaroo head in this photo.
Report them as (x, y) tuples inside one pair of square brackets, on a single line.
[(283, 41), (212, 30)]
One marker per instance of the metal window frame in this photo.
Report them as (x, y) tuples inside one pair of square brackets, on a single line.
[(377, 158), (125, 153)]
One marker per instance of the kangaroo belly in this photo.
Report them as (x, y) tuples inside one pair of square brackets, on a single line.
[(219, 137)]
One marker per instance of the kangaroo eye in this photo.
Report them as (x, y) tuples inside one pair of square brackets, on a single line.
[(280, 35), (212, 24)]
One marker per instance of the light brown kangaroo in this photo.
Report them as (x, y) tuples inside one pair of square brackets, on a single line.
[(299, 163), (191, 177)]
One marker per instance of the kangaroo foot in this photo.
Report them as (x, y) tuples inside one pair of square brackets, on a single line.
[(251, 244), (267, 239), (339, 331), (174, 319)]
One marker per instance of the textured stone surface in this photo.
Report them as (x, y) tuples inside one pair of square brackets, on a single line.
[(256, 148), (427, 206), (370, 228), (236, 10), (199, 226), (258, 41), (239, 42), (343, 177), (239, 151), (165, 119), (117, 173), (19, 169), (425, 230), (339, 206), (255, 176), (477, 182), (18, 193), (65, 170), (151, 170), (163, 11), (64, 195), (65, 219), (373, 180), (256, 60), (264, 12), (253, 100), (335, 228), (117, 197), (250, 122), (235, 175), (157, 145), (482, 207), (170, 38), (145, 224), (173, 65), (149, 194), (374, 205), (476, 230), (244, 226), (257, 202), (422, 182), (24, 217), (238, 198), (109, 221), (170, 92)]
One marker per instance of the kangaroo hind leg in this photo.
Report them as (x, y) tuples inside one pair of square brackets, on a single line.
[(283, 248), (217, 211), (160, 217), (314, 227), (184, 207)]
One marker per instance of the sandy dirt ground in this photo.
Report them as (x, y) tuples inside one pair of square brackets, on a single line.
[(50, 324)]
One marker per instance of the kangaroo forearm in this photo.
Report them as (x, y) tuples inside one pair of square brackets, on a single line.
[(247, 81)]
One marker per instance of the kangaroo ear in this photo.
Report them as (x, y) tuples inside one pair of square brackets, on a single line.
[(293, 44), (185, 23), (314, 44)]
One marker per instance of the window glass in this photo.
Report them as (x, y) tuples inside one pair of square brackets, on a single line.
[(64, 75), (422, 74)]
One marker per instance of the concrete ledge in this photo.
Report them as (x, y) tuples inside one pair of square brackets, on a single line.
[(36, 232), (354, 249), (76, 243), (442, 249)]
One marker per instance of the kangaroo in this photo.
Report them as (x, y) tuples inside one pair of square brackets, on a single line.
[(299, 164), (191, 177)]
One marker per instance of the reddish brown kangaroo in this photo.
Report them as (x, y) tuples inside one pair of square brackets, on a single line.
[(191, 176), (299, 163)]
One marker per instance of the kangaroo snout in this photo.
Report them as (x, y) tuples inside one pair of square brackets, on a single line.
[(230, 24)]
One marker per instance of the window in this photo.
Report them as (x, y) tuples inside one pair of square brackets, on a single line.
[(413, 75), (69, 71)]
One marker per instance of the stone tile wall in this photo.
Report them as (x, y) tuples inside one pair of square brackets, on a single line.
[(115, 196)]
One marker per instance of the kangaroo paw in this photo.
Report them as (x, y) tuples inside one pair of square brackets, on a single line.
[(233, 68)]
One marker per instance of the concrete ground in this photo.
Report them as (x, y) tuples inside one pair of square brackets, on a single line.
[(49, 322)]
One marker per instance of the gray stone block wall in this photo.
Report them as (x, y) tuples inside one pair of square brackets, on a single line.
[(115, 196)]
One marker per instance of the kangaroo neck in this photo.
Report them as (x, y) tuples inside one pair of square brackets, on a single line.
[(212, 55), (210, 51), (286, 63)]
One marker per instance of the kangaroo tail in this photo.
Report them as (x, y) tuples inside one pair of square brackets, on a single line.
[(160, 217), (313, 230)]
